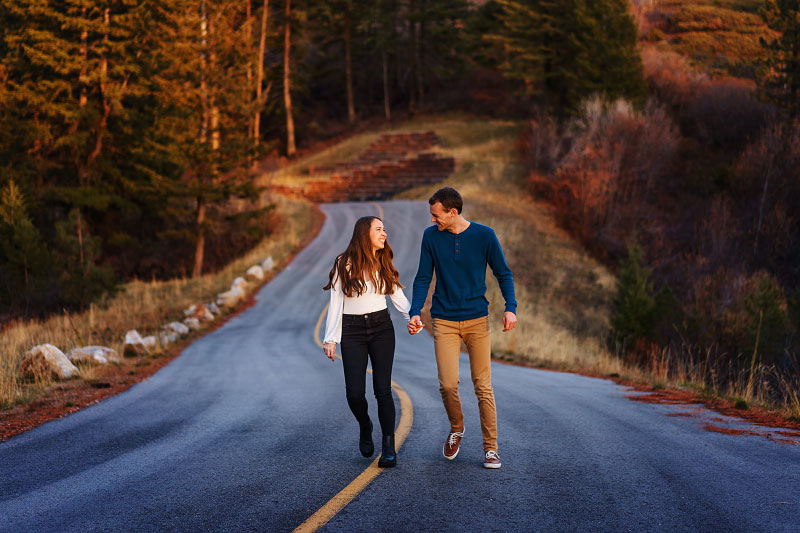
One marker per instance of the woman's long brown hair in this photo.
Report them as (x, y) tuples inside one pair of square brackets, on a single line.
[(357, 264)]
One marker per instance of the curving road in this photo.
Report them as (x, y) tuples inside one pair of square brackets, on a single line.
[(249, 430)]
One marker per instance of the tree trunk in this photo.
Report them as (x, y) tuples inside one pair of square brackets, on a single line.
[(80, 241), (84, 51), (262, 47), (248, 35), (104, 62), (412, 35), (203, 73), (287, 95), (794, 86), (420, 54), (386, 106), (351, 111), (200, 245), (105, 102), (210, 125), (200, 215)]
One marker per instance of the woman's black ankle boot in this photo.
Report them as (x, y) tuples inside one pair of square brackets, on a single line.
[(365, 444), (388, 455)]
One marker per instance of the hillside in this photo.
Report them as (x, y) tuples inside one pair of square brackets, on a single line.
[(719, 35)]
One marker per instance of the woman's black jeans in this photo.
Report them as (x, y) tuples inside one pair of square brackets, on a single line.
[(369, 336)]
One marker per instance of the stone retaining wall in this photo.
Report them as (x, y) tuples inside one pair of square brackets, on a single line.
[(391, 164)]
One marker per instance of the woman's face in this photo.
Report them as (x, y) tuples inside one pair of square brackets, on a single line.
[(377, 235)]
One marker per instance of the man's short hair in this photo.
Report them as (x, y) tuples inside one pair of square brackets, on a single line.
[(449, 198)]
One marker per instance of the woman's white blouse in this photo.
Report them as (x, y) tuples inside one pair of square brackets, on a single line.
[(368, 302)]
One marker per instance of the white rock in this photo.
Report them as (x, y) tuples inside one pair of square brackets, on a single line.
[(192, 323), (239, 282), (150, 342), (255, 273), (134, 345), (231, 297), (200, 312), (46, 358), (267, 264), (94, 354), (177, 328), (166, 337)]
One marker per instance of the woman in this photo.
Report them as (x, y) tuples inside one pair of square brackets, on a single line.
[(358, 318)]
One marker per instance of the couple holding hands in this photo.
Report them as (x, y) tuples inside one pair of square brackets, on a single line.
[(457, 250)]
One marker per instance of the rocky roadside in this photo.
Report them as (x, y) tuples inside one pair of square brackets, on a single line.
[(143, 356)]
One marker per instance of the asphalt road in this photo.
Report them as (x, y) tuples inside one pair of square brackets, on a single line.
[(249, 430)]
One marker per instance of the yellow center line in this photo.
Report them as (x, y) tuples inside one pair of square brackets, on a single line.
[(346, 495), (319, 323)]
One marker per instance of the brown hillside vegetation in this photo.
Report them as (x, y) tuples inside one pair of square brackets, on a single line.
[(719, 35), (704, 179)]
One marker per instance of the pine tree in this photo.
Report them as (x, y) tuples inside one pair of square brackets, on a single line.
[(336, 26), (565, 51), (382, 37), (441, 43), (83, 279), (767, 322), (24, 259), (201, 127), (69, 69), (783, 85), (633, 305)]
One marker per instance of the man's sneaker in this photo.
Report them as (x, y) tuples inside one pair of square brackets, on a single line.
[(491, 460), (452, 444)]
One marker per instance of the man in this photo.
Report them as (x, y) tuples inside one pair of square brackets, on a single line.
[(458, 251)]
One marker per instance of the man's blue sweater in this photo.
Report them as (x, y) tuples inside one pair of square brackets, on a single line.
[(459, 261)]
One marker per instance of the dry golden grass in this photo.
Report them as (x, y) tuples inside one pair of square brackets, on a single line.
[(719, 35), (141, 305)]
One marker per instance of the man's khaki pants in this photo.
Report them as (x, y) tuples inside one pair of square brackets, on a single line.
[(447, 337)]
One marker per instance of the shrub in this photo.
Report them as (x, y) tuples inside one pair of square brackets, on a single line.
[(725, 113), (633, 306), (603, 169), (654, 35), (670, 77), (793, 311), (668, 316), (542, 145), (766, 180), (767, 323)]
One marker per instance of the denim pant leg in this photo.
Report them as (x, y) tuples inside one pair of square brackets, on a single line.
[(381, 352), (354, 361)]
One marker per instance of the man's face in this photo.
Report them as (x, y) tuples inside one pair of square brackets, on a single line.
[(443, 218)]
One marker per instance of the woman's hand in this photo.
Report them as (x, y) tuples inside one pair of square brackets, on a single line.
[(415, 325), (330, 350)]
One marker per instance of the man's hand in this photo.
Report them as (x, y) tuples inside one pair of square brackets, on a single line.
[(330, 350), (509, 321), (415, 325)]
